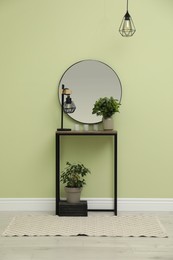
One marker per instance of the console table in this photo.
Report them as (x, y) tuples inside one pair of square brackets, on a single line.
[(84, 133)]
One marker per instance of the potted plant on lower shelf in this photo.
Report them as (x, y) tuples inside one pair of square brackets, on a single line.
[(73, 177), (106, 107)]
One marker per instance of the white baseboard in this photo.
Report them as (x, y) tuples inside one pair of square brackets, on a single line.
[(124, 204), (145, 204), (27, 204)]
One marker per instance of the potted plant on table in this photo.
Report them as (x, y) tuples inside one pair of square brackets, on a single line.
[(106, 107), (73, 177)]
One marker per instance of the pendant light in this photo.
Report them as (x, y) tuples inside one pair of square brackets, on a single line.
[(127, 28)]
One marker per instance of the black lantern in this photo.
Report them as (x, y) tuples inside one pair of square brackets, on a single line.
[(127, 28), (67, 107)]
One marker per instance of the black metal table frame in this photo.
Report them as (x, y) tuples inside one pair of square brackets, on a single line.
[(85, 133)]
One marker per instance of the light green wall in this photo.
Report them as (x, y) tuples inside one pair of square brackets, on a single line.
[(40, 39)]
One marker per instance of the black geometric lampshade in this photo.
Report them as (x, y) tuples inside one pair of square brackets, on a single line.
[(69, 106), (127, 28)]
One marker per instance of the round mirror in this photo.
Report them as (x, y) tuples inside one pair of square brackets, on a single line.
[(89, 80)]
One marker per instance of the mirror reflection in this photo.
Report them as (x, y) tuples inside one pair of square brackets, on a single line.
[(90, 80)]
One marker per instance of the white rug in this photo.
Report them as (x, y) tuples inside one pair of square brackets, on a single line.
[(111, 226)]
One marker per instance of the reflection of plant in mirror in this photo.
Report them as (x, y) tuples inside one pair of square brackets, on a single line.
[(73, 175), (106, 107)]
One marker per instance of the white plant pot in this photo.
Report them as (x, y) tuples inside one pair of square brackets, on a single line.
[(108, 123), (73, 194)]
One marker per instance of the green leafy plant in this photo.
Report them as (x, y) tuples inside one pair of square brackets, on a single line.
[(106, 107), (73, 175)]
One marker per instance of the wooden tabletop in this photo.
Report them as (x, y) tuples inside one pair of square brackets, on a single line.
[(101, 132)]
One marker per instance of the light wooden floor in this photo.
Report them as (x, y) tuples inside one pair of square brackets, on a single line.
[(86, 248)]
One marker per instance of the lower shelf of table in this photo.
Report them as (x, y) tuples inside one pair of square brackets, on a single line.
[(73, 209)]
